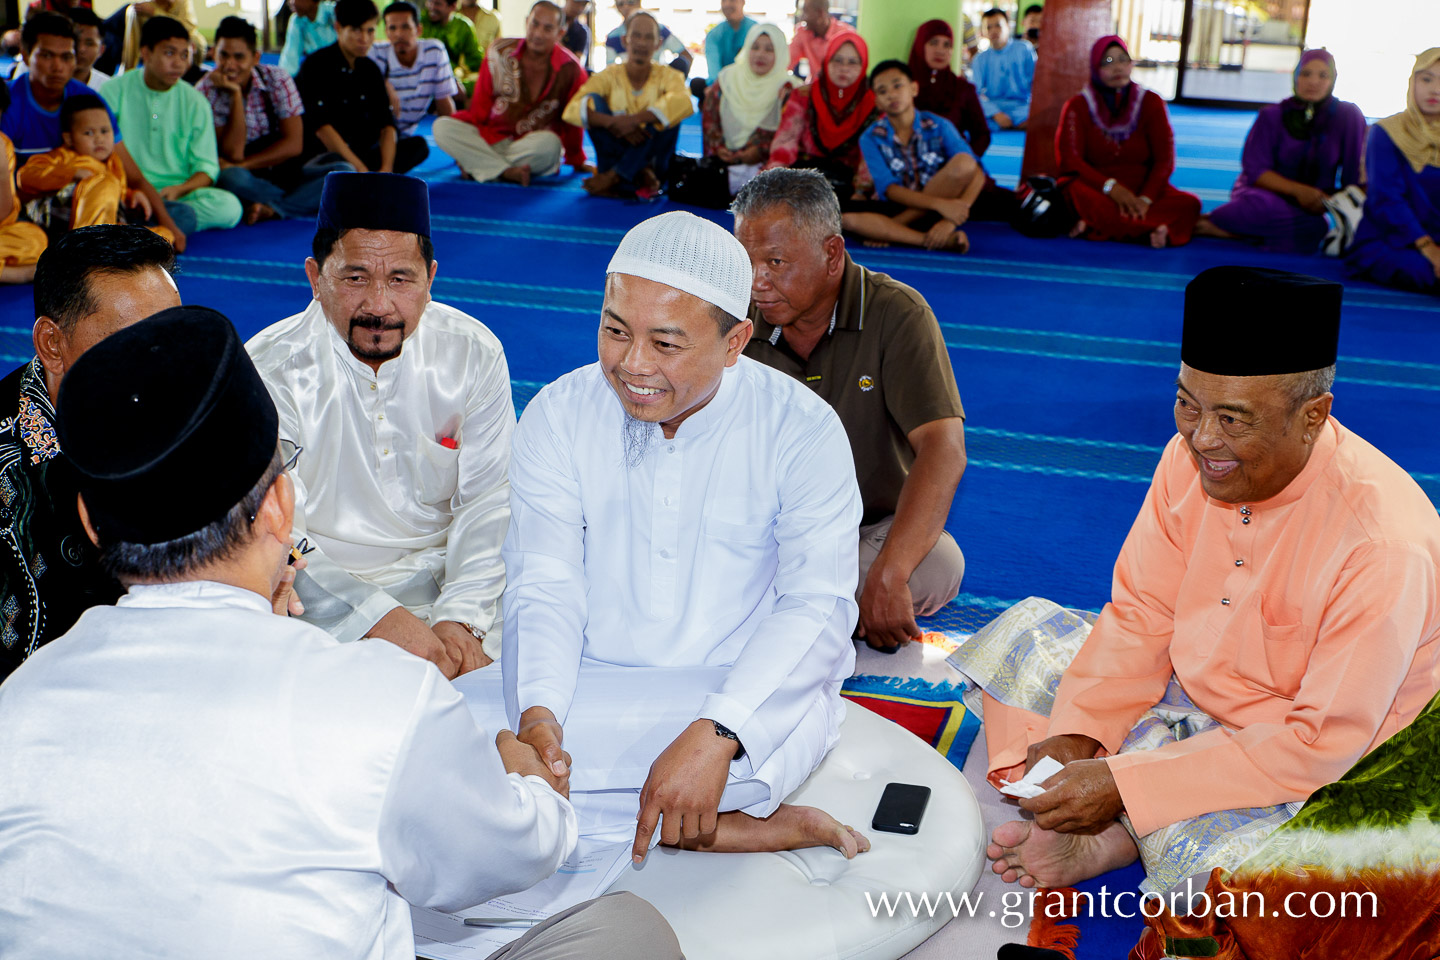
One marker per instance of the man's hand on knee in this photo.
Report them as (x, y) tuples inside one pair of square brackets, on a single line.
[(1065, 748), (1082, 798), (522, 758), (887, 610), (409, 632), (462, 645), (540, 729), (682, 793)]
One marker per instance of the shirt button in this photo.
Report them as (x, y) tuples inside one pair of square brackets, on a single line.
[(1244, 519), (373, 387), (154, 116), (666, 501), (1239, 563), (1225, 601), (664, 554), (672, 448), (386, 451), (381, 417), (1245, 511)]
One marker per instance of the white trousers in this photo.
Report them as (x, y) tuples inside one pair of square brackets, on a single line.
[(540, 150)]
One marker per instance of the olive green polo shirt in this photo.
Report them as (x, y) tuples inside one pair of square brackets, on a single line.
[(883, 367)]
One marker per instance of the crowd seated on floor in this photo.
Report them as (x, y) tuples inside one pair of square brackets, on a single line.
[(1312, 179)]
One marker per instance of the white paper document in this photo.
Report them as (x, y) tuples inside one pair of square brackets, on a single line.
[(1029, 785), (585, 875)]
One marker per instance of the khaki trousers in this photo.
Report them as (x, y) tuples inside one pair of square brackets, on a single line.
[(933, 584), (541, 150), (619, 925)]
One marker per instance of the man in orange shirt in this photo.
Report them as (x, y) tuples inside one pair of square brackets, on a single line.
[(1275, 616), (813, 30)]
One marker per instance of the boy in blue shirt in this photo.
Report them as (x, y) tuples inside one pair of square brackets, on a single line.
[(926, 178)]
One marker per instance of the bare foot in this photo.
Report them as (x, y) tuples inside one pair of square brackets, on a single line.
[(1078, 230), (601, 183), (647, 181), (1205, 227), (1160, 237), (1033, 857), (259, 213), (789, 828), (957, 241), (520, 174)]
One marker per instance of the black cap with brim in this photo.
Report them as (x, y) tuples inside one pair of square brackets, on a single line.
[(1254, 322), (168, 425)]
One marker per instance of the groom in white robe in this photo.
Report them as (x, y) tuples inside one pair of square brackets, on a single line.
[(681, 565)]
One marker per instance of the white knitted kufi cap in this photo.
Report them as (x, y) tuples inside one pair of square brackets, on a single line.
[(691, 254)]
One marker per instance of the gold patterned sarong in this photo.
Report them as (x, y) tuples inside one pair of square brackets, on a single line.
[(1019, 658)]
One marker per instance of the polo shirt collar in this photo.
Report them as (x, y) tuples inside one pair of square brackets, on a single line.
[(775, 332)]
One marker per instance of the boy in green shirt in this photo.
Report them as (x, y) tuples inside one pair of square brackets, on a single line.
[(170, 130)]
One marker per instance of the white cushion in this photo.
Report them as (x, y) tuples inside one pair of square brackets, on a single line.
[(811, 904)]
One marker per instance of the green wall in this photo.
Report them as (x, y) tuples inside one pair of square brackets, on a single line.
[(888, 26)]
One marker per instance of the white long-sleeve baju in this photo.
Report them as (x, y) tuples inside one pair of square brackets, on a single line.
[(399, 518), (186, 775), (717, 576)]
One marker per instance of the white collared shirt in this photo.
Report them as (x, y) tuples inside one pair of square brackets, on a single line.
[(733, 544), (399, 517), (186, 774)]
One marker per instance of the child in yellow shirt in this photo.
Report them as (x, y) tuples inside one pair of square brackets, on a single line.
[(82, 183)]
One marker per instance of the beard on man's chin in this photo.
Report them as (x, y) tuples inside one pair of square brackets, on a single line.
[(365, 322)]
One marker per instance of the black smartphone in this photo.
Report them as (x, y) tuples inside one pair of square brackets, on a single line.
[(902, 805)]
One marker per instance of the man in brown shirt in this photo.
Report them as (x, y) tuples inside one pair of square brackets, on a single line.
[(872, 348)]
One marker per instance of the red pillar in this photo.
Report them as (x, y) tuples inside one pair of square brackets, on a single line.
[(1071, 28)]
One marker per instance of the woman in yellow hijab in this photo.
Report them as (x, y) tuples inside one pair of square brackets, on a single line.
[(1398, 241), (741, 110)]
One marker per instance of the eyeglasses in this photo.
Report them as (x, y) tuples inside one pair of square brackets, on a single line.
[(1111, 61), (291, 451)]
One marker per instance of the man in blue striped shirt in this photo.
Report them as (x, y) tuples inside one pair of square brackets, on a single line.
[(418, 69)]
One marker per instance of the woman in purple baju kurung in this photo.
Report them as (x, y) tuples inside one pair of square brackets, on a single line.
[(1293, 156), (1398, 242)]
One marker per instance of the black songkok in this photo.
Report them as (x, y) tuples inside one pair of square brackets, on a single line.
[(168, 425), (374, 201), (1252, 322)]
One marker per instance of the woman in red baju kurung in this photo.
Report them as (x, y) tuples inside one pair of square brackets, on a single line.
[(1115, 140)]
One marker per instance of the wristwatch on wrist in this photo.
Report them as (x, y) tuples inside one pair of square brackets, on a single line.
[(474, 630), (1109, 185), (723, 731)]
